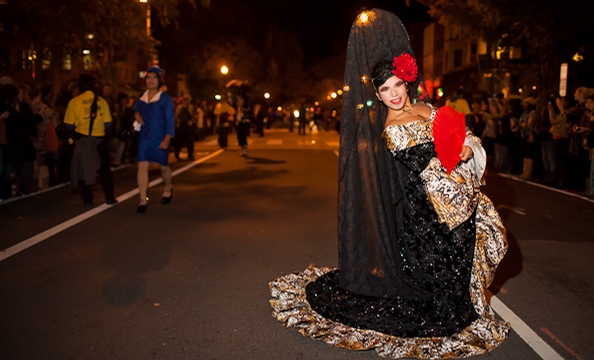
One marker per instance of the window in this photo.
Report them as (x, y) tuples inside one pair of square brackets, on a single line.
[(67, 60), (457, 58), (87, 59), (473, 53), (28, 59), (46, 59)]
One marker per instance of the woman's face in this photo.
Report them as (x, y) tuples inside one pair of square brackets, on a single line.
[(579, 96), (152, 81), (393, 93), (484, 106)]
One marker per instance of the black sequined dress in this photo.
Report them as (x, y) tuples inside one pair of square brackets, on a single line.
[(433, 297)]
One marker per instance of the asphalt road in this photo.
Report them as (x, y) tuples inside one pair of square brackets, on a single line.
[(189, 280)]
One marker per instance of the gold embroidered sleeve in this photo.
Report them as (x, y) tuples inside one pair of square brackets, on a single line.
[(455, 196)]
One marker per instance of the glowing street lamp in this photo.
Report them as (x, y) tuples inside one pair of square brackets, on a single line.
[(224, 70), (333, 95), (266, 95), (148, 16)]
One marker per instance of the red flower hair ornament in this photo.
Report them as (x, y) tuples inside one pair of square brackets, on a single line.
[(405, 67)]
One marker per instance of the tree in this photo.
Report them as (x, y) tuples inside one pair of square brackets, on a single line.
[(204, 68), (551, 32), (107, 26)]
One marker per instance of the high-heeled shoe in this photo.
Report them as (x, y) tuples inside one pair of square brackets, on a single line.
[(141, 208), (167, 199)]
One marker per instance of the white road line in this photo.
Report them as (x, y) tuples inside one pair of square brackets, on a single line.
[(36, 239), (517, 210), (524, 331), (512, 177)]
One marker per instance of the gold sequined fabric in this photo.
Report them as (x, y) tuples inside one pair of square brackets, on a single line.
[(291, 308), (453, 196)]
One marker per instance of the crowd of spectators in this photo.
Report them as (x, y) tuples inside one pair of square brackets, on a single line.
[(545, 139), (36, 146), (549, 140)]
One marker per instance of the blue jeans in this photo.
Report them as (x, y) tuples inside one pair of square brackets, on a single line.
[(548, 161)]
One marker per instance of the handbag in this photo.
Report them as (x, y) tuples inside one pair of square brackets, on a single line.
[(574, 144)]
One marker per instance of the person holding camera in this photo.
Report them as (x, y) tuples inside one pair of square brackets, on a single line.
[(558, 129)]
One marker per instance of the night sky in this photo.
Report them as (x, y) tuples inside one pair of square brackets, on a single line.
[(322, 26)]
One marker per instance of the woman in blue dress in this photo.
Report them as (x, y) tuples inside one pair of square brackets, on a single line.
[(155, 113)]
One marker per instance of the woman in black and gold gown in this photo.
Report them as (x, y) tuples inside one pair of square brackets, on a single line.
[(418, 244)]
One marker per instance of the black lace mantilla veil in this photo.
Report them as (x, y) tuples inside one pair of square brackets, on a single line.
[(368, 187), (373, 300)]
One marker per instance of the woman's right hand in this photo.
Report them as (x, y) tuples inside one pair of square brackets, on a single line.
[(138, 118)]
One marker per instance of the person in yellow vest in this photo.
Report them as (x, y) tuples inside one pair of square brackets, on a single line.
[(459, 103), (89, 116)]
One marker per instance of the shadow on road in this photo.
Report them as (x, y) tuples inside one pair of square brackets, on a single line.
[(498, 189), (263, 161), (510, 266)]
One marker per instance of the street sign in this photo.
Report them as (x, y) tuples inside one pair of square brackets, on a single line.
[(563, 80)]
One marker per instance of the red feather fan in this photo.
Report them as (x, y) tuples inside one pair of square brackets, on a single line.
[(449, 132)]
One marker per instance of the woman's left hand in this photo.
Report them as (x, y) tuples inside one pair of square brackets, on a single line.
[(466, 153), (164, 144)]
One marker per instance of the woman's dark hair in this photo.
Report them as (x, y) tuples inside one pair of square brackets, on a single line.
[(381, 72), (122, 96)]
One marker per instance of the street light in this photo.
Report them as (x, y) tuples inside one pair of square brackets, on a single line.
[(266, 95), (148, 17), (224, 70)]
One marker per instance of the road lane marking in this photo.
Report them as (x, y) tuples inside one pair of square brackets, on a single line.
[(544, 350), (36, 239), (546, 187), (517, 210)]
